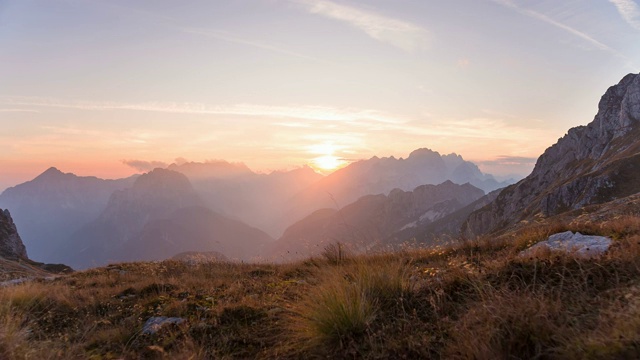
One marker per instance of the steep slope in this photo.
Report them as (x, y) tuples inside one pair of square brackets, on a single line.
[(591, 164), (381, 175), (160, 216), (51, 207), (11, 246), (373, 220)]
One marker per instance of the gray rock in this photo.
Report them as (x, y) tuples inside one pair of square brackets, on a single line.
[(11, 246), (154, 324), (574, 243)]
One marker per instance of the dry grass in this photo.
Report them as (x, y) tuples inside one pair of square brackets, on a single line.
[(476, 299)]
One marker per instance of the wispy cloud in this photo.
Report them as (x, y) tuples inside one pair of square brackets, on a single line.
[(228, 37), (19, 110), (143, 165), (544, 18), (306, 112), (629, 10), (404, 35)]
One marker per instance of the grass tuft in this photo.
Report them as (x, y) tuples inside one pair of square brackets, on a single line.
[(335, 253)]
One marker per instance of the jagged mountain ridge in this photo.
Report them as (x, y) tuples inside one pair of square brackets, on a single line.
[(373, 220), (591, 164)]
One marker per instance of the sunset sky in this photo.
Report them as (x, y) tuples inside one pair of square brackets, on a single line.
[(112, 87)]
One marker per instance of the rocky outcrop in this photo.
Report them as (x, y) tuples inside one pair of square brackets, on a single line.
[(11, 246), (591, 164)]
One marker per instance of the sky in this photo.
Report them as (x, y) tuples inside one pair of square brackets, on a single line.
[(115, 87)]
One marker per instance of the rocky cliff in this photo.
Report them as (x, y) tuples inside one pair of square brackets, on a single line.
[(591, 164), (11, 246)]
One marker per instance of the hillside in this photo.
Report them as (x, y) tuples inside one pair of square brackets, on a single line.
[(475, 300)]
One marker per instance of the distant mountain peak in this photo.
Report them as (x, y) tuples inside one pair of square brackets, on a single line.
[(423, 152), (51, 172), (162, 178)]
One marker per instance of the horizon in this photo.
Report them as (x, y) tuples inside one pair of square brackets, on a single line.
[(146, 167), (103, 88)]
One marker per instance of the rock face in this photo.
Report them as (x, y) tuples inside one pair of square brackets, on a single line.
[(591, 164), (11, 246)]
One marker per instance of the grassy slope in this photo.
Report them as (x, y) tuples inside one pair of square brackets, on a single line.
[(473, 300)]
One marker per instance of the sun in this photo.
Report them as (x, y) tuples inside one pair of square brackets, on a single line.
[(327, 163)]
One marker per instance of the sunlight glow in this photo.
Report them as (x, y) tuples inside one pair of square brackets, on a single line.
[(327, 162)]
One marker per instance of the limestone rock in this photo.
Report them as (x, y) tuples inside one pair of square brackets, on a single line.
[(574, 243)]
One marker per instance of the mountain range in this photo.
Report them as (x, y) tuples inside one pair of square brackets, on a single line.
[(379, 203), (86, 221), (160, 216)]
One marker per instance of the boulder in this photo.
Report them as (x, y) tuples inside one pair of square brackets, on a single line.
[(574, 243)]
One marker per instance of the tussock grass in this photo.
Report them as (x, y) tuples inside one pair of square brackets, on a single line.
[(336, 253), (344, 307), (475, 299)]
